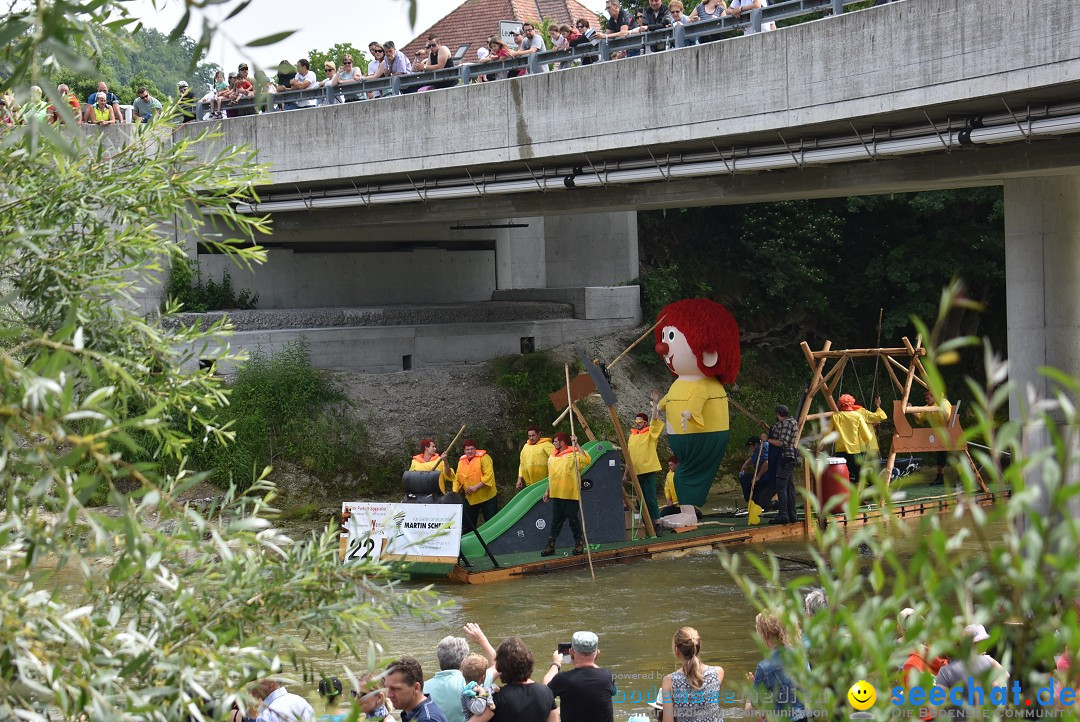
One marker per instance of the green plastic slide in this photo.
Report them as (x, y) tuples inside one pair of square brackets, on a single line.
[(522, 502)]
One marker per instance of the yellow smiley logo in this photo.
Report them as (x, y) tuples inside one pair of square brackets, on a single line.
[(862, 695)]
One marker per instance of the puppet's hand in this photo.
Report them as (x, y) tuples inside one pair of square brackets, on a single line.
[(685, 417)]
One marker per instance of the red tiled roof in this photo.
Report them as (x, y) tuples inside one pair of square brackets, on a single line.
[(474, 21)]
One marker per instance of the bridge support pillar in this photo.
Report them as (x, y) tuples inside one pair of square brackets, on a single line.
[(1042, 268), (520, 255)]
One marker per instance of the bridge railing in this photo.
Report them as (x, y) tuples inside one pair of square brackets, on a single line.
[(678, 36)]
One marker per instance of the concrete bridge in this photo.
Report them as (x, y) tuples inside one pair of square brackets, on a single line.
[(528, 173)]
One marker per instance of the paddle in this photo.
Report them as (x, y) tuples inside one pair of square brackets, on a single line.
[(577, 472), (754, 511)]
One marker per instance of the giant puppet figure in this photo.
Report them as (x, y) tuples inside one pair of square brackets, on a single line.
[(699, 342)]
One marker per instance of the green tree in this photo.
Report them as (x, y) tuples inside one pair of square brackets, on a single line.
[(335, 53), (180, 604)]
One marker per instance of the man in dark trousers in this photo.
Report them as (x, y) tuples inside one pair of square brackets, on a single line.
[(585, 691), (782, 458)]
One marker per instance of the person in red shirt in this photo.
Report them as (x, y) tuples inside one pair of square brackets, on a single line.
[(59, 116)]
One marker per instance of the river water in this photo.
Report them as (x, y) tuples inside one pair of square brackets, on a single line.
[(634, 608)]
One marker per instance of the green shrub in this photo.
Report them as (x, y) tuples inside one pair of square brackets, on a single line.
[(187, 286), (283, 409)]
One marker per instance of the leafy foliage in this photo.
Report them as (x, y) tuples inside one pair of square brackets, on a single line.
[(1013, 567), (335, 53), (187, 288), (281, 407), (181, 604)]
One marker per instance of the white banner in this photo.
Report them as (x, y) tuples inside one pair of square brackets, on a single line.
[(507, 28), (417, 532)]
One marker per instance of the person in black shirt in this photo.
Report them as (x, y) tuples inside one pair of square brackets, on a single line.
[(619, 22), (519, 699), (585, 692)]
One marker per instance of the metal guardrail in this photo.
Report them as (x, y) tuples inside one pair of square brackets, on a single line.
[(678, 36)]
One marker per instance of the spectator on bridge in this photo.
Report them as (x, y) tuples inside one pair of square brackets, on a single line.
[(101, 113), (303, 80), (186, 98), (738, 7), (560, 40), (243, 90), (439, 58), (392, 63), (585, 36), (709, 10), (144, 106), (657, 17), (60, 115), (497, 52), (111, 99), (349, 74), (6, 118), (533, 43), (619, 22), (676, 10)]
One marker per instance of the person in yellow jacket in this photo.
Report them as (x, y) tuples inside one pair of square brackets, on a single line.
[(534, 457), (428, 459), (669, 488), (642, 445), (476, 482), (564, 490), (939, 419), (873, 418), (853, 434)]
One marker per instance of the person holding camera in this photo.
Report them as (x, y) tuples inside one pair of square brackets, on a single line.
[(586, 690)]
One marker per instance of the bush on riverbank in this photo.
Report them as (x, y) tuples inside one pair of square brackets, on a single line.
[(283, 409)]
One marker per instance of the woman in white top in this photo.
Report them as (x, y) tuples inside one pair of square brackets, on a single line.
[(347, 75), (738, 7)]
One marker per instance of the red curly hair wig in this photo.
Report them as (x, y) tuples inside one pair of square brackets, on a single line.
[(708, 326)]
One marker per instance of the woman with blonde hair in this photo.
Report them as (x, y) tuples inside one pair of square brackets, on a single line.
[(693, 691), (770, 676)]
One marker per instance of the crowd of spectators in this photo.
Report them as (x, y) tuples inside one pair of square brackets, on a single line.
[(226, 95)]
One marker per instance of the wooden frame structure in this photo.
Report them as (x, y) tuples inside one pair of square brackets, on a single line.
[(905, 369)]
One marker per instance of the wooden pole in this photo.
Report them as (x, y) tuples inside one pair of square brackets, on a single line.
[(449, 446), (640, 338), (582, 421), (877, 359), (577, 474), (631, 472), (747, 414)]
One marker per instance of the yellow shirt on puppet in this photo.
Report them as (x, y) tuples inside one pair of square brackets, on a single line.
[(705, 399), (872, 417), (642, 445), (562, 473), (853, 433)]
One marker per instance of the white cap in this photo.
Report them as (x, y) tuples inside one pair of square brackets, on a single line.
[(481, 53), (977, 632), (182, 84)]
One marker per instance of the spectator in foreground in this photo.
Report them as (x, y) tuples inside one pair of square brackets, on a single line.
[(478, 695), (770, 674), (278, 704), (446, 686), (145, 106), (405, 688), (520, 699), (336, 709), (585, 691), (372, 698), (693, 691), (6, 118)]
